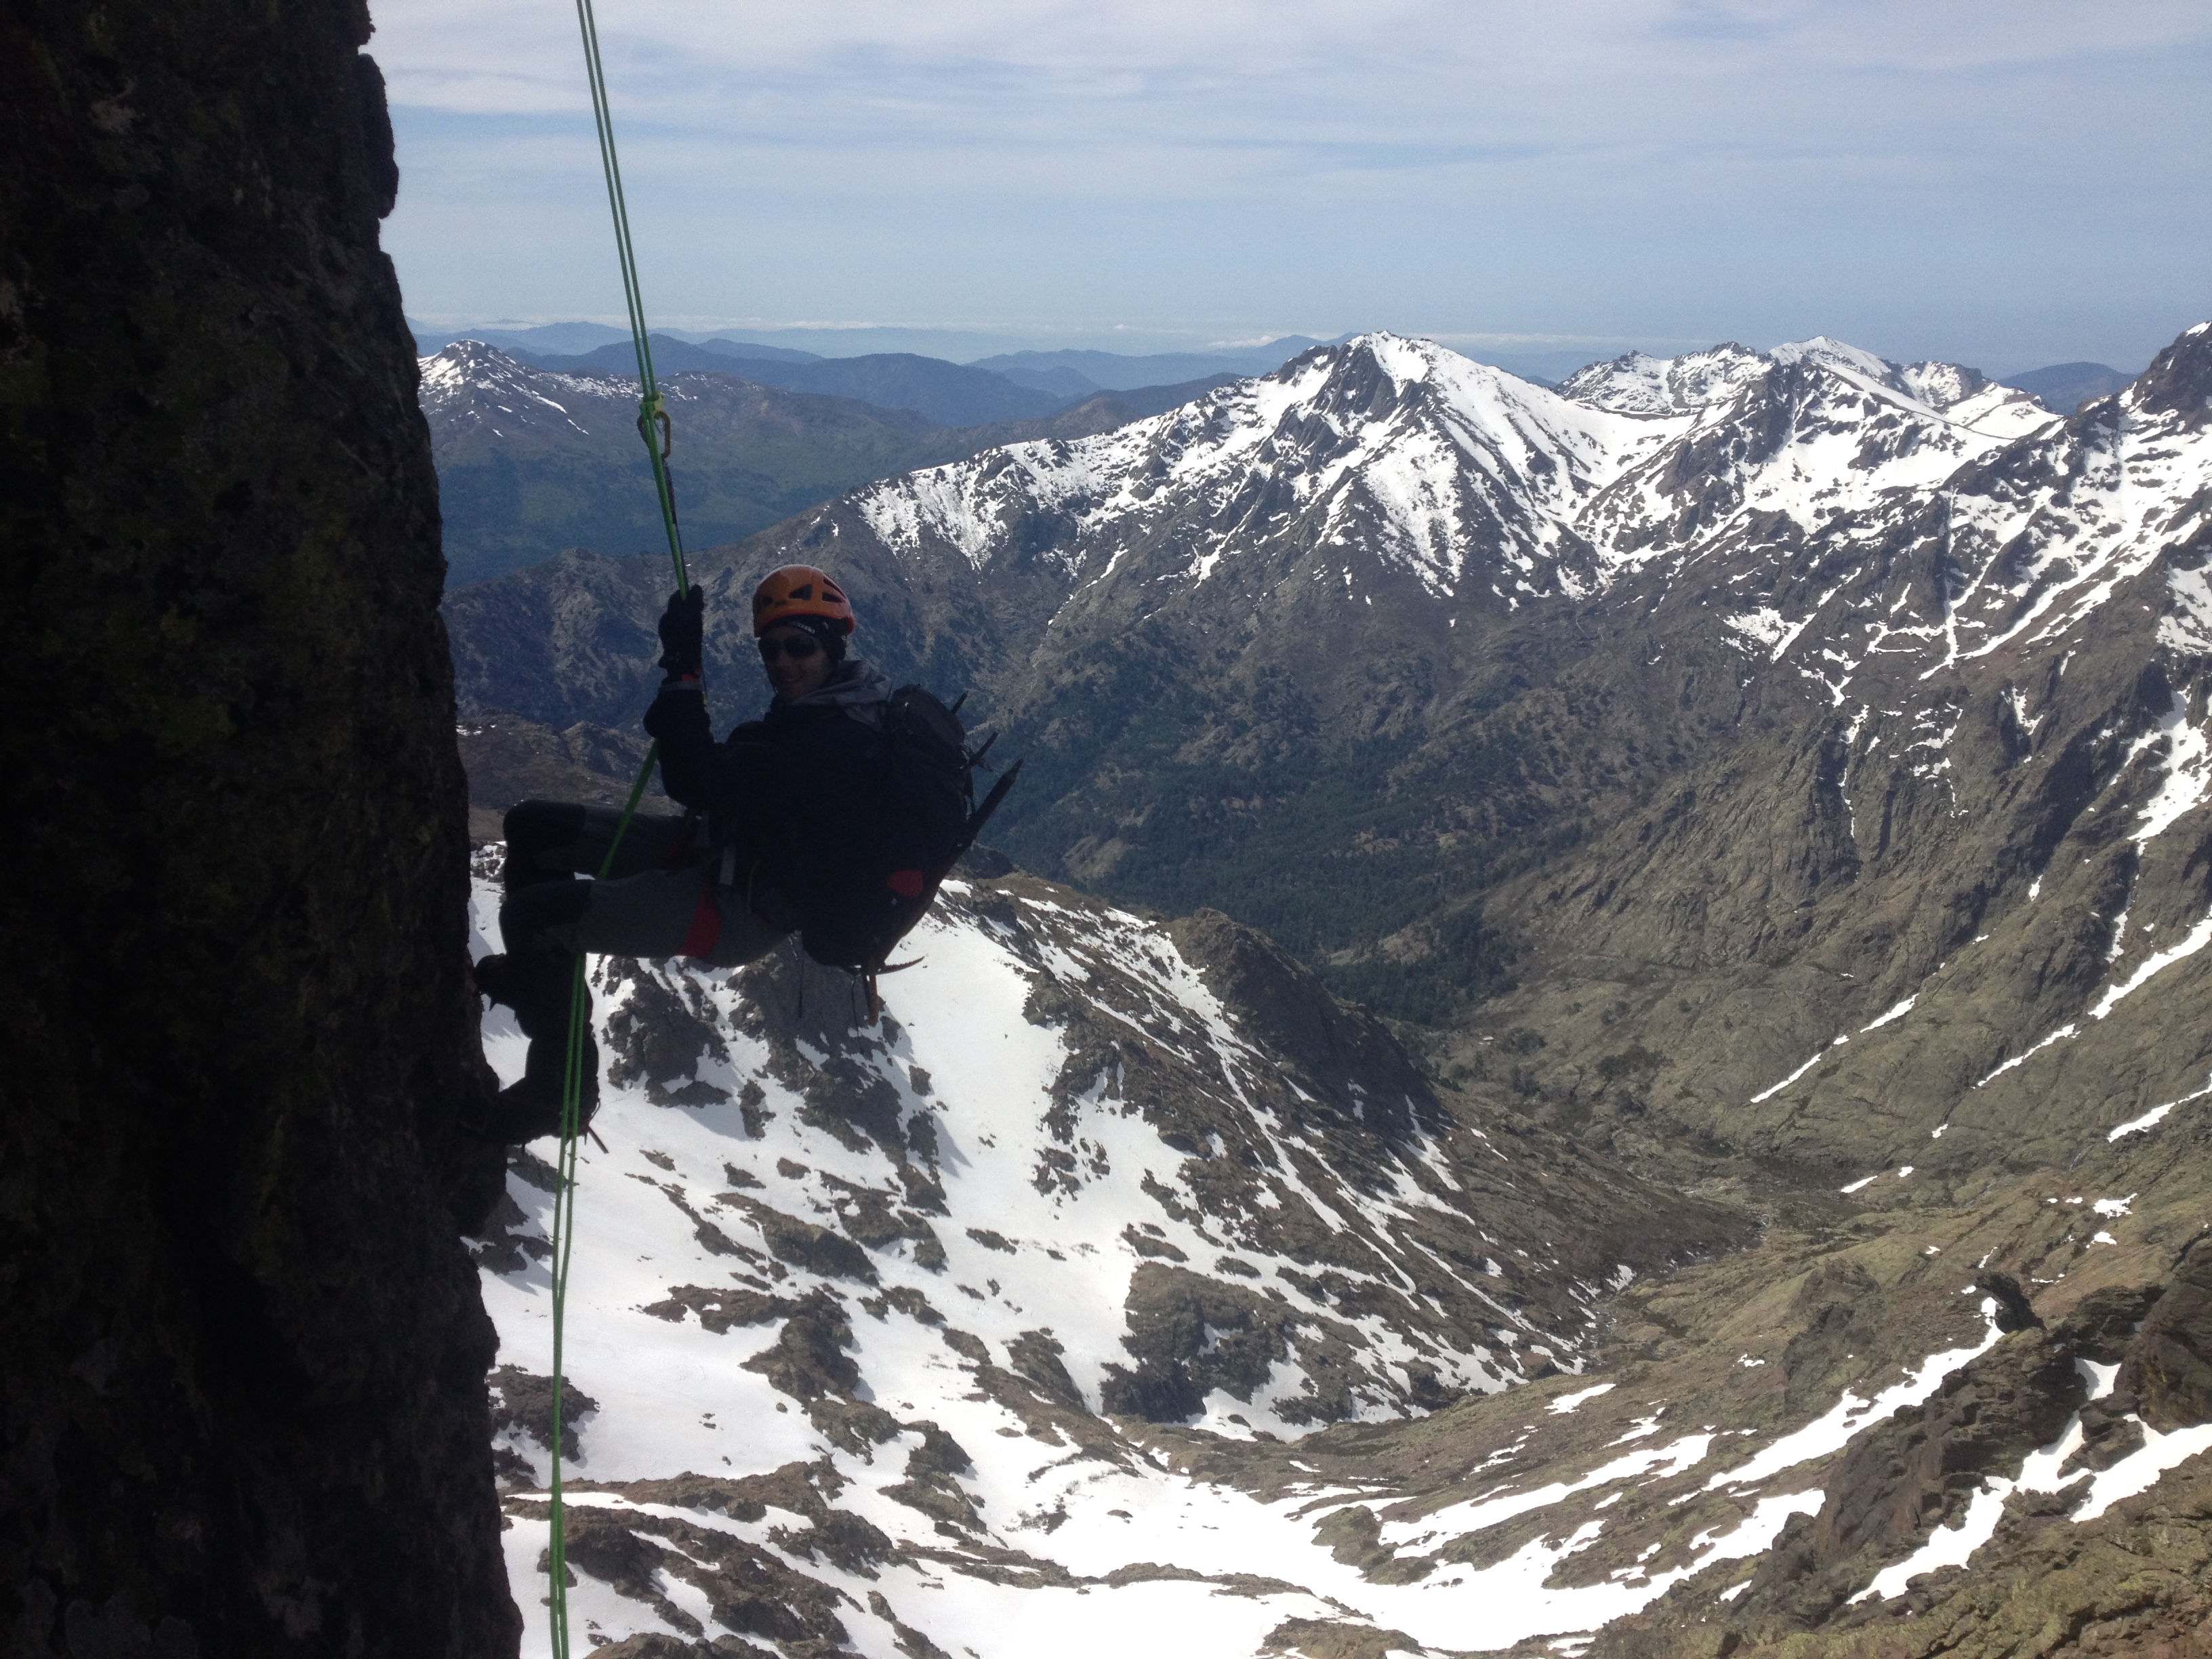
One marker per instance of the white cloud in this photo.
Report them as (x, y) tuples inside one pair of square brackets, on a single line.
[(1605, 169)]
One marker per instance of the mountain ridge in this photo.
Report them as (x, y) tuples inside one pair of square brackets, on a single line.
[(945, 394), (533, 461), (1549, 460)]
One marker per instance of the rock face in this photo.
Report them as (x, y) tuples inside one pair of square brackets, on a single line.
[(2058, 1561), (242, 1402)]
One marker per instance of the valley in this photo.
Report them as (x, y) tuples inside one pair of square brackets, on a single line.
[(1755, 804)]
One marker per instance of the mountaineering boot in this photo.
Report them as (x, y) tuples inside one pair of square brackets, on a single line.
[(538, 985), (530, 1107)]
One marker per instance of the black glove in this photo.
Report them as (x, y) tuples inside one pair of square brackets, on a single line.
[(683, 627)]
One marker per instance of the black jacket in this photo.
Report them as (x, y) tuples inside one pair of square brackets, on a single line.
[(799, 789)]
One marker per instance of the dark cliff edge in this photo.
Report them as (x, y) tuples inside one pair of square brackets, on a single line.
[(242, 1404)]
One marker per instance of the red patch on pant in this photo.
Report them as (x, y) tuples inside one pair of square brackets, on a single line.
[(705, 924), (907, 883)]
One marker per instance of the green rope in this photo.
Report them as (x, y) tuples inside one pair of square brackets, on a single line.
[(654, 427), (564, 1223), (652, 411)]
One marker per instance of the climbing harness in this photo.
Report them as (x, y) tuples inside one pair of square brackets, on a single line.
[(654, 427)]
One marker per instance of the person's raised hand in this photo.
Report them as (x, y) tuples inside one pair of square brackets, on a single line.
[(683, 631)]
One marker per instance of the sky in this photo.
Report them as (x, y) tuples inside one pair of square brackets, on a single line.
[(2003, 184)]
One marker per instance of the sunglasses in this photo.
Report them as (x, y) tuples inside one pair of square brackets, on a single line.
[(799, 648)]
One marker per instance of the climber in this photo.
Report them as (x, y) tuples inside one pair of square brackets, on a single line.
[(776, 809)]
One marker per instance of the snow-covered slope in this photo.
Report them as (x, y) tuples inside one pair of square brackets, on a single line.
[(1638, 384), (1009, 1327), (2014, 545), (1816, 431), (926, 1285), (472, 390)]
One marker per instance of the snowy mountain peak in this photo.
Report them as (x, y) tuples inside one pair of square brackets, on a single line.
[(1409, 360), (2179, 380), (1405, 359), (1938, 386), (465, 364), (1834, 354), (1387, 456), (473, 390), (1941, 386), (1638, 384)]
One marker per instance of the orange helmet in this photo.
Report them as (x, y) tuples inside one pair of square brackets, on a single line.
[(801, 590)]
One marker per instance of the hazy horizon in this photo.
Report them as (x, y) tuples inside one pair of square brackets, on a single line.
[(1551, 361)]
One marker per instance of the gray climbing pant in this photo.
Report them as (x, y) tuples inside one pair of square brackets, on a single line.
[(666, 896)]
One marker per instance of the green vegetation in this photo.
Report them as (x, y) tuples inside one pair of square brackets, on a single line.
[(746, 457), (531, 463), (1328, 848)]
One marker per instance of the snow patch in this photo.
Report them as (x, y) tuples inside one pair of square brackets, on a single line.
[(2156, 1115), (1566, 1402), (2199, 937), (1768, 1094), (1898, 1012)]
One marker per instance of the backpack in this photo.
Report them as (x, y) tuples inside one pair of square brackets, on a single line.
[(926, 818)]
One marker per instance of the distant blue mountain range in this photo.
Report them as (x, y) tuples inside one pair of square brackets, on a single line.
[(948, 393), (1074, 372), (896, 368), (2065, 387), (1068, 373)]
